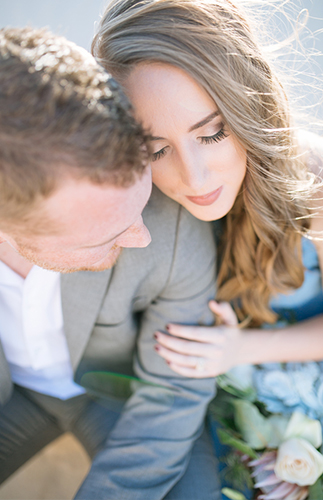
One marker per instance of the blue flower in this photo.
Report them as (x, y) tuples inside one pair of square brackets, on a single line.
[(287, 388)]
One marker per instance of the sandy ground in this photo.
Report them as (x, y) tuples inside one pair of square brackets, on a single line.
[(53, 474)]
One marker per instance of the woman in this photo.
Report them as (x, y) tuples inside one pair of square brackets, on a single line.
[(223, 146)]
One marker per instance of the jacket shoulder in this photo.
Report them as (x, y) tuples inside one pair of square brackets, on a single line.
[(166, 218)]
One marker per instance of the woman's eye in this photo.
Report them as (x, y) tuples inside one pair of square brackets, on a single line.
[(159, 154), (214, 138)]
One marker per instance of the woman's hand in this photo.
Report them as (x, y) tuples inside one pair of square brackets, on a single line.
[(207, 351)]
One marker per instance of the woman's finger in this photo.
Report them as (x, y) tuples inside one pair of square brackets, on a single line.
[(201, 334), (224, 311), (189, 372), (179, 359), (184, 346)]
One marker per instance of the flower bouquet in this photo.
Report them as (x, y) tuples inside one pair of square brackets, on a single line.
[(277, 455)]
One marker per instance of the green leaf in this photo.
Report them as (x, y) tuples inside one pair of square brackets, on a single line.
[(226, 384), (256, 430), (278, 425), (120, 387), (226, 437), (235, 472), (315, 491), (233, 494), (221, 406)]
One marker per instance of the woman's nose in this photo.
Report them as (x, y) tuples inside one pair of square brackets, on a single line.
[(193, 172)]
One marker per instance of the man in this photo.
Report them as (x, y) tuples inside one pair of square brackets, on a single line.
[(74, 180)]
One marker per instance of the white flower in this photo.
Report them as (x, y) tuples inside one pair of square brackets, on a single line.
[(268, 483), (304, 427), (298, 462)]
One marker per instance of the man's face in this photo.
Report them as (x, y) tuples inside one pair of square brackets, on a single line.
[(92, 224)]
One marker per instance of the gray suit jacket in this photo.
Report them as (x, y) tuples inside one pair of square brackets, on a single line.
[(110, 318)]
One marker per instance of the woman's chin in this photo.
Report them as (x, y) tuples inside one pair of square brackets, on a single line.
[(208, 213)]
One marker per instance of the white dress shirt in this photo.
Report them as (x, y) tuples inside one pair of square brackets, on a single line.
[(32, 332)]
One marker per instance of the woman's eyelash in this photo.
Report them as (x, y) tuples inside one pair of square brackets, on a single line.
[(205, 140), (214, 138), (159, 154)]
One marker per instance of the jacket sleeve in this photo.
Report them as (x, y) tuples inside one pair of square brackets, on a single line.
[(149, 448)]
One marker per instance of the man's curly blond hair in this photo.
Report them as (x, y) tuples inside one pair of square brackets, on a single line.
[(61, 114)]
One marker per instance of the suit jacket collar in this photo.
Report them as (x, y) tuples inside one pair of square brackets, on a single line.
[(82, 296)]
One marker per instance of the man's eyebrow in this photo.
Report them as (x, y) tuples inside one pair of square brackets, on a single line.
[(204, 121), (117, 235), (108, 241), (152, 138), (193, 127)]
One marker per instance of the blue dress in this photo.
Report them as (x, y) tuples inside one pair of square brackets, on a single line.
[(286, 387), (306, 301)]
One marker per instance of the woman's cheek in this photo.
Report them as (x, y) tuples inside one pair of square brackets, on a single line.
[(165, 180)]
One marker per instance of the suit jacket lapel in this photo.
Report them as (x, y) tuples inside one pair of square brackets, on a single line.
[(82, 295)]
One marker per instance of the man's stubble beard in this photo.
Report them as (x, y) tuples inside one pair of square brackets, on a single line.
[(107, 262)]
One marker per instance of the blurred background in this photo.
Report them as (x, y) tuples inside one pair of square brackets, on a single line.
[(57, 471), (74, 19), (300, 62)]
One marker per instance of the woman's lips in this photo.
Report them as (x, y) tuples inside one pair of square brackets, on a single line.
[(207, 199)]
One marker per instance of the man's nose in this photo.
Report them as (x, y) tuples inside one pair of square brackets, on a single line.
[(136, 236)]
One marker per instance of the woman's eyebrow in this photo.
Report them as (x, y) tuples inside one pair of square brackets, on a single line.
[(193, 127), (204, 121)]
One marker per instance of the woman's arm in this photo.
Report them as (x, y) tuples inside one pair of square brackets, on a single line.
[(209, 351)]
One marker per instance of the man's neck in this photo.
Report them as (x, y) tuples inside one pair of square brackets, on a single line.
[(15, 261)]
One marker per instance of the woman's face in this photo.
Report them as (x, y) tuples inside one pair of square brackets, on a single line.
[(196, 160)]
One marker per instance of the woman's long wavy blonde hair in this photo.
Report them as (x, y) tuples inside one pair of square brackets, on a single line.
[(212, 41)]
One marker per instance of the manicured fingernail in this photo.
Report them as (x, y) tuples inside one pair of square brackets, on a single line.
[(168, 327), (156, 336), (168, 362), (156, 347)]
